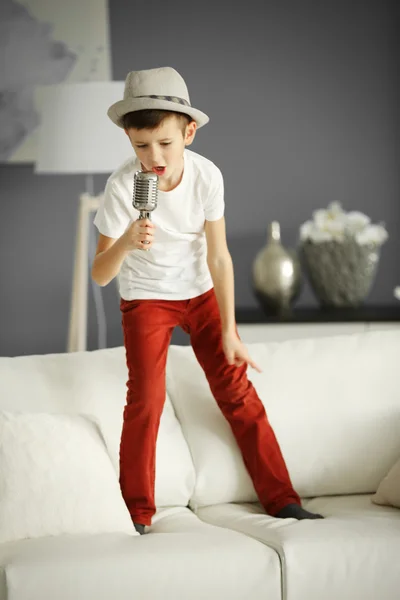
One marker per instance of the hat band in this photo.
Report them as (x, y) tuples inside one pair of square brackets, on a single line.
[(169, 98)]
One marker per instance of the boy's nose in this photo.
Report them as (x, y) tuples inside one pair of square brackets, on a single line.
[(155, 158)]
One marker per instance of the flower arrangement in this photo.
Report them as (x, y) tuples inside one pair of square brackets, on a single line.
[(335, 224), (340, 253)]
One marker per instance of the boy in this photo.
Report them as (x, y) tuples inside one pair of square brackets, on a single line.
[(176, 270)]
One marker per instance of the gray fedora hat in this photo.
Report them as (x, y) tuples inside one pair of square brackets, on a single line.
[(163, 89)]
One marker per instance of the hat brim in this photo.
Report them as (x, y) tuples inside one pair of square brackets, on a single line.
[(120, 108)]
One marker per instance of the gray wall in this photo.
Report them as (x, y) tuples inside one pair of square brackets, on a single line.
[(304, 106)]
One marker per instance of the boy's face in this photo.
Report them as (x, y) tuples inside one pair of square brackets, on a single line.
[(161, 150)]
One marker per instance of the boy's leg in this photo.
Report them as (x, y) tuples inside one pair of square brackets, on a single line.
[(241, 406), (147, 327)]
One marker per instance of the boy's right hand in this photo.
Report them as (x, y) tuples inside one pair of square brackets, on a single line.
[(139, 235)]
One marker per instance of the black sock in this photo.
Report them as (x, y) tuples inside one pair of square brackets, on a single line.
[(139, 528), (295, 511)]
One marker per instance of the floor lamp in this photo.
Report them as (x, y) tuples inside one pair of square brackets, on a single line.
[(77, 137)]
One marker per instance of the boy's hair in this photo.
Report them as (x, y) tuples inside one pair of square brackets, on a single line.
[(152, 118)]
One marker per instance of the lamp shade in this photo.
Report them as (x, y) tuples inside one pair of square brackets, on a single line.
[(75, 134)]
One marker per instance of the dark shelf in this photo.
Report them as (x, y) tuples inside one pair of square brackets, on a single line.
[(322, 315)]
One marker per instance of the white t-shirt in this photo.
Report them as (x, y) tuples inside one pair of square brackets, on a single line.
[(175, 267)]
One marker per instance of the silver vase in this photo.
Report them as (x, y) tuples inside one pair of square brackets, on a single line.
[(277, 275)]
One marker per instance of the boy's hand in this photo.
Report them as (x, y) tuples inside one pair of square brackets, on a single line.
[(139, 235), (236, 352)]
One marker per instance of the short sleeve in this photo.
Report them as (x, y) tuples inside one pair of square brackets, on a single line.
[(113, 215), (214, 205)]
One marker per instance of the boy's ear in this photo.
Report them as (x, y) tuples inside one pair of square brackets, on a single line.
[(190, 132)]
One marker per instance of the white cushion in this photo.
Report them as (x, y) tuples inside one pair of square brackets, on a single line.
[(56, 477), (388, 492), (95, 383), (334, 404), (353, 553), (188, 560)]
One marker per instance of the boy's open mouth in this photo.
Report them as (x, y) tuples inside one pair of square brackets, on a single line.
[(159, 170)]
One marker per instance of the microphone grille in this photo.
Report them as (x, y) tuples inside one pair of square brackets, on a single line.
[(145, 190)]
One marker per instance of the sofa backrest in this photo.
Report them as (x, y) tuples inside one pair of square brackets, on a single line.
[(333, 402), (94, 383)]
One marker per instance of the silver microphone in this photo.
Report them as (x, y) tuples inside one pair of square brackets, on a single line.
[(145, 190)]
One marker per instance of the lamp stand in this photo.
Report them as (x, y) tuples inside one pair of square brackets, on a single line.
[(77, 330)]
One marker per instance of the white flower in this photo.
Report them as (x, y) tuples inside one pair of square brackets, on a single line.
[(318, 236), (336, 227), (372, 234), (335, 224), (305, 230), (356, 221), (334, 212), (309, 231), (397, 292), (328, 224)]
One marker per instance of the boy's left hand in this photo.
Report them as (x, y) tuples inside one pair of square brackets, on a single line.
[(236, 352)]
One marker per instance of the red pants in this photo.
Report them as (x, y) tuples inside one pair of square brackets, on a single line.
[(147, 327)]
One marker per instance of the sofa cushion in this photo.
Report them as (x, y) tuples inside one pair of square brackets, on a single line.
[(333, 402), (95, 383), (352, 553), (190, 560), (388, 492), (56, 477)]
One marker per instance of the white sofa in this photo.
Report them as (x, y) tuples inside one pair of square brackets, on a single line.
[(65, 533)]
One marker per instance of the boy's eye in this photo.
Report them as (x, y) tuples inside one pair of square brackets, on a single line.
[(145, 145)]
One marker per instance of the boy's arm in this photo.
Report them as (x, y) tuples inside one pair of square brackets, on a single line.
[(111, 252), (221, 268)]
